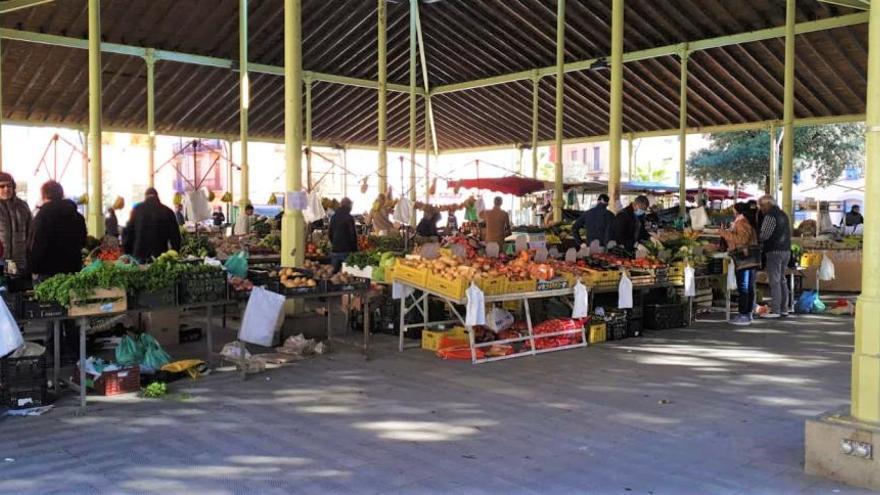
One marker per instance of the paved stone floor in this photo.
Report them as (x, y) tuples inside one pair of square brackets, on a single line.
[(709, 409)]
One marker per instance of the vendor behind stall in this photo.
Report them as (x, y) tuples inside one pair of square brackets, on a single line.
[(629, 227), (379, 216), (497, 223), (428, 225), (244, 223), (597, 220), (343, 235)]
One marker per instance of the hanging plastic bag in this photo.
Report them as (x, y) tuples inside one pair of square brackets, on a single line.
[(690, 282), (314, 210), (480, 205), (826, 269), (403, 211), (129, 352), (399, 291), (699, 218), (625, 292), (731, 276), (261, 317), (476, 307), (10, 334), (154, 356), (570, 255), (492, 249), (521, 243), (581, 306), (237, 264), (499, 320), (470, 213), (198, 208)]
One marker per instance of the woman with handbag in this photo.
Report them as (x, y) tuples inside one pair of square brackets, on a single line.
[(742, 244)]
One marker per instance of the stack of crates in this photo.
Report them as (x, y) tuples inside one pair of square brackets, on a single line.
[(23, 382)]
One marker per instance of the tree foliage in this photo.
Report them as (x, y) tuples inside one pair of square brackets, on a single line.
[(744, 157)]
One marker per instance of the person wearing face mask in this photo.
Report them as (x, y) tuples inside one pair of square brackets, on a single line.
[(629, 227), (15, 223)]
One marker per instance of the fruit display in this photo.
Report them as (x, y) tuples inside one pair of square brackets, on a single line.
[(194, 245), (314, 250), (606, 261), (239, 284), (321, 272), (291, 278), (343, 278)]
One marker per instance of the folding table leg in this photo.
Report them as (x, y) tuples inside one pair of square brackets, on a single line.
[(209, 333), (56, 355), (83, 324)]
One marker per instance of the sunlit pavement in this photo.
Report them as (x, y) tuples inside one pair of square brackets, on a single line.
[(708, 409)]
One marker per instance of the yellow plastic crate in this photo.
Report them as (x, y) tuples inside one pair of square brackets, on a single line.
[(597, 333), (519, 286), (600, 276), (676, 270), (453, 289), (431, 339), (493, 286), (410, 275)]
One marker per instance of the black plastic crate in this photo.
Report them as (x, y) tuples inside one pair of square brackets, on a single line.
[(260, 278), (31, 309), (615, 326), (665, 316), (190, 335), (27, 372), (203, 287), (24, 398), (161, 298), (634, 327), (13, 303), (716, 266), (357, 284)]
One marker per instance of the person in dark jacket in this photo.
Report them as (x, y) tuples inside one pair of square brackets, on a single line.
[(343, 235), (15, 224), (58, 235), (111, 224), (597, 220), (629, 227), (218, 217), (178, 214), (775, 238), (152, 229), (427, 226)]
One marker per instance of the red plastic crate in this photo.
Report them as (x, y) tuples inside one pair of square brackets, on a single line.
[(114, 382)]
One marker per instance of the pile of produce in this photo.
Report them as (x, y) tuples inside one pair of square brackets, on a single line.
[(317, 250), (271, 242), (342, 278), (294, 279), (98, 275), (321, 272), (241, 284), (194, 245), (363, 259)]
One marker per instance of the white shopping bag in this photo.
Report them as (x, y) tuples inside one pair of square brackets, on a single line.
[(314, 208), (699, 218), (521, 243), (826, 269), (499, 320), (262, 315), (492, 249), (690, 282), (400, 291), (731, 275), (625, 292), (10, 335), (197, 206), (570, 255), (581, 306), (476, 307), (403, 211), (480, 205)]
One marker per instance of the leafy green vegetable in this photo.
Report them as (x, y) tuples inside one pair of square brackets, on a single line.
[(154, 390), (364, 259)]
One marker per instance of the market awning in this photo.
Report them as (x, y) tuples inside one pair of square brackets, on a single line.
[(519, 186)]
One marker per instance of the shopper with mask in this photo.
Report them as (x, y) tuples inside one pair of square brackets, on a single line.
[(629, 227)]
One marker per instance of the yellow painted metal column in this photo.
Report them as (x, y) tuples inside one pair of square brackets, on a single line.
[(560, 95), (309, 155), (413, 27), (536, 101), (383, 97), (788, 110), (615, 129), (682, 131), (95, 215), (150, 60), (866, 358), (292, 224), (244, 104), (774, 163), (1, 116)]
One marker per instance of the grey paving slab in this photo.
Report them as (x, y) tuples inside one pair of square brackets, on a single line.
[(707, 409)]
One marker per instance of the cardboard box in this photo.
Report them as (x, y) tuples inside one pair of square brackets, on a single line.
[(163, 325), (847, 272)]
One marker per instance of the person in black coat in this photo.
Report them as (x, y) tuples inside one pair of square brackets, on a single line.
[(629, 227), (111, 224), (343, 235), (58, 235), (152, 229), (597, 220), (427, 227)]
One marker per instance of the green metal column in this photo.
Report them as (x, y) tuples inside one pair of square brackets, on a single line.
[(536, 101), (560, 95), (866, 357), (150, 60), (1, 115), (292, 224), (774, 164), (616, 125), (95, 215), (413, 27), (383, 97), (308, 85), (682, 131), (244, 103), (788, 109)]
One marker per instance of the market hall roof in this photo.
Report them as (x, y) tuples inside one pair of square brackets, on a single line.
[(465, 40)]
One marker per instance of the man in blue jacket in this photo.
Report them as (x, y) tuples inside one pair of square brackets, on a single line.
[(597, 220)]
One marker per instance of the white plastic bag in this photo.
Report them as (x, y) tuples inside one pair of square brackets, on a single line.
[(400, 291), (625, 292), (581, 306), (261, 317), (480, 205), (521, 243), (731, 276), (314, 209), (476, 307), (10, 334), (699, 218), (690, 282), (826, 269), (403, 211), (492, 249), (197, 206), (499, 320), (570, 255)]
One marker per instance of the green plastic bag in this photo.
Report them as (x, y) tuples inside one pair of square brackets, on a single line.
[(237, 264), (470, 213), (154, 356), (129, 352)]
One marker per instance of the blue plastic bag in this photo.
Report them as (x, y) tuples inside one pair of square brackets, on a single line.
[(807, 302)]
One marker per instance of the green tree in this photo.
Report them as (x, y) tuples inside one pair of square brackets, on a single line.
[(643, 175), (738, 158)]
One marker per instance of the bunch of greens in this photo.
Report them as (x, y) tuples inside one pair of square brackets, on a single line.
[(364, 259), (154, 390), (197, 246), (386, 243), (99, 275)]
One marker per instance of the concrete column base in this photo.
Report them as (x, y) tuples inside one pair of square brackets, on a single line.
[(824, 453)]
